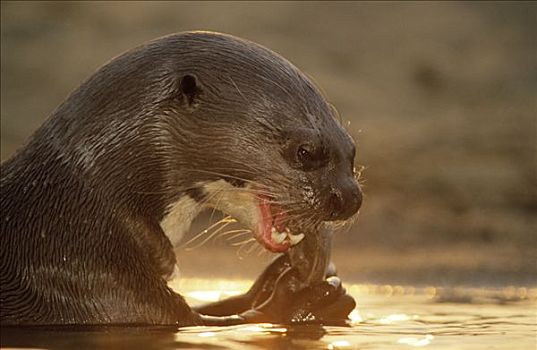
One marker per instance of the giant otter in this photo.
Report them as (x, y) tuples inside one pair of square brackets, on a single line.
[(94, 203)]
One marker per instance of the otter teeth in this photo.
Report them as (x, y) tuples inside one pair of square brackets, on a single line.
[(295, 239), (280, 237)]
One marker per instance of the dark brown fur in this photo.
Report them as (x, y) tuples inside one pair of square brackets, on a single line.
[(81, 202)]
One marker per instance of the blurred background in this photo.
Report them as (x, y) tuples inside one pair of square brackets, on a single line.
[(440, 97)]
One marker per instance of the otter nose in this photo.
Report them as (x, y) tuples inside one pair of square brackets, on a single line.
[(344, 201)]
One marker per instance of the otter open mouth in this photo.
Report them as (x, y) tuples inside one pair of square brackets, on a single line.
[(272, 231)]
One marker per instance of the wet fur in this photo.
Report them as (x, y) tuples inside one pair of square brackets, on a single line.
[(82, 201)]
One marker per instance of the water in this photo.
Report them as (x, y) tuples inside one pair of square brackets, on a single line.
[(387, 317)]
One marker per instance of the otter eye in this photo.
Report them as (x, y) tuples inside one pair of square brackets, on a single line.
[(303, 154), (310, 158), (304, 149)]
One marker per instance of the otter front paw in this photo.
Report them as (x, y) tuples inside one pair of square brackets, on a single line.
[(323, 303), (326, 302)]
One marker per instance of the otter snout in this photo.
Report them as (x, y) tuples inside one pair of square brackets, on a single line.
[(344, 200)]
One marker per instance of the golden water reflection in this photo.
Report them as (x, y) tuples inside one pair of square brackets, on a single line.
[(387, 316), (416, 341), (206, 290)]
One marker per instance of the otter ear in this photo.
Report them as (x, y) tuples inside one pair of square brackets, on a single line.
[(190, 90)]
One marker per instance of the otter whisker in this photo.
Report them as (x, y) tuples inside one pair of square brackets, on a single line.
[(350, 222), (241, 168), (252, 191), (257, 188), (220, 174), (251, 242), (207, 239), (237, 236), (243, 242), (224, 223), (252, 248), (294, 211), (261, 251), (234, 234), (336, 113)]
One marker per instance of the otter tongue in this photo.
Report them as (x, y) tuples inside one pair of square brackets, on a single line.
[(266, 227)]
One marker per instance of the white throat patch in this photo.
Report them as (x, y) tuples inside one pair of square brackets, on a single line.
[(179, 218), (239, 203)]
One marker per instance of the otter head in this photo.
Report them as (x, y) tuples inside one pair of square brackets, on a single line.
[(250, 135), (203, 120)]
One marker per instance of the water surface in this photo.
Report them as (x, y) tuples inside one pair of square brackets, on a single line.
[(387, 317)]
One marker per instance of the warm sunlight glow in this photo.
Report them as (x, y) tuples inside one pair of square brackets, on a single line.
[(431, 292), (355, 317), (339, 344), (394, 318), (206, 334), (418, 342), (206, 295), (258, 328)]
